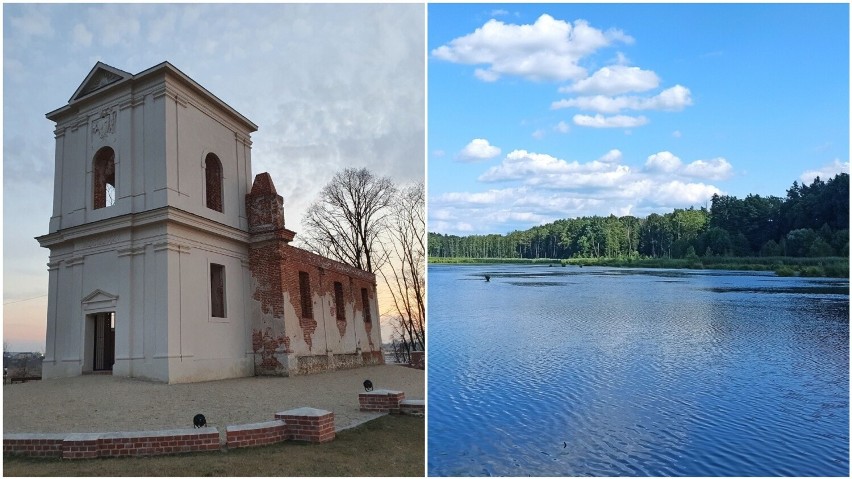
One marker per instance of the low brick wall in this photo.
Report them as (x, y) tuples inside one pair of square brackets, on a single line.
[(112, 444), (36, 445), (259, 434), (302, 424), (80, 446), (308, 424), (381, 400), (413, 407), (152, 443)]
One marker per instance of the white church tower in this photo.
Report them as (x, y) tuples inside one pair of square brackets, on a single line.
[(149, 264)]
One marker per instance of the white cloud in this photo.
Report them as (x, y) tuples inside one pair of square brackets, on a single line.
[(541, 169), (614, 80), (115, 24), (599, 103), (489, 197), (439, 153), (34, 22), (499, 12), (538, 134), (562, 127), (677, 134), (161, 28), (663, 161), (542, 188), (477, 150), (549, 49), (608, 178), (451, 213), (825, 172), (673, 99), (667, 162), (612, 156), (81, 35), (715, 169), (680, 193), (521, 164), (618, 121), (488, 76)]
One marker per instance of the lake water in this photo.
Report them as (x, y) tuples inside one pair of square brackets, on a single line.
[(604, 371)]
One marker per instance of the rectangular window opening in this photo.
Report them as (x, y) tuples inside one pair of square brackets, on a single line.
[(217, 290), (305, 292), (338, 301), (365, 300)]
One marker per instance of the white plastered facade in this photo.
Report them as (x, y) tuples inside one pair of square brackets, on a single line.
[(146, 259)]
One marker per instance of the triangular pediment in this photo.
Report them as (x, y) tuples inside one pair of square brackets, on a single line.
[(100, 77), (99, 296)]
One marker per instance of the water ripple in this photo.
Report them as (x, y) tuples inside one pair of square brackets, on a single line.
[(601, 372)]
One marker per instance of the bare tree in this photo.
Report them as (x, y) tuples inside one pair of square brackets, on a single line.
[(345, 222), (405, 271)]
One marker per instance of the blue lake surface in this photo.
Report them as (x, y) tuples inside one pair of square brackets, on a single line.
[(606, 372)]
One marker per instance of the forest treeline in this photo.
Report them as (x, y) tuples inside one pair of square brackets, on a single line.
[(811, 221)]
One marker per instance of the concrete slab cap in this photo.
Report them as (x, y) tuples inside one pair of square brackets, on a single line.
[(413, 402), (304, 411), (257, 425), (382, 392), (33, 437), (167, 432), (83, 436)]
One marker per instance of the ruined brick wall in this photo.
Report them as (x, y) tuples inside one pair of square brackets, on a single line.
[(296, 334), (265, 211), (324, 273)]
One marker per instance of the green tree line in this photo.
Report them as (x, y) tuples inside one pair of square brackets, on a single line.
[(811, 221)]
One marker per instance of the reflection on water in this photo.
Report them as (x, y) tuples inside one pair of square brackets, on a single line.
[(596, 371)]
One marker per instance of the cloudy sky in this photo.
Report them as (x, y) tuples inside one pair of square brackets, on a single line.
[(329, 87), (541, 112)]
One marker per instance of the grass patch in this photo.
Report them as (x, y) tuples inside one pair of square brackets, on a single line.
[(828, 267), (831, 267), (388, 446)]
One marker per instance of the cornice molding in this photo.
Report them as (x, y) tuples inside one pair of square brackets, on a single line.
[(167, 214)]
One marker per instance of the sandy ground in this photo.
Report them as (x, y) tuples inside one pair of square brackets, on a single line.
[(103, 403)]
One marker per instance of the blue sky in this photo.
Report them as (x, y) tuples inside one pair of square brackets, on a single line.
[(541, 112), (330, 86)]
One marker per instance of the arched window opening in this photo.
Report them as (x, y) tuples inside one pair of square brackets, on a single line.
[(213, 182), (103, 168)]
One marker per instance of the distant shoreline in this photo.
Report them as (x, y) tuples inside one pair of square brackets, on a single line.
[(827, 267)]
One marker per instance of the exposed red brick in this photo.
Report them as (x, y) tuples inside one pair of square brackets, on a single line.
[(275, 266)]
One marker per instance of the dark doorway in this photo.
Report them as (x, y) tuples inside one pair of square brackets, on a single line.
[(104, 342)]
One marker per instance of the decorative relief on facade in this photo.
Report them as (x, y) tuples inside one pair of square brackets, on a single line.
[(98, 81), (98, 300), (100, 240), (104, 125)]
